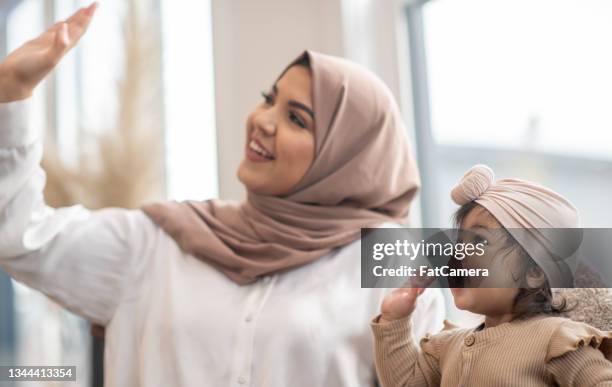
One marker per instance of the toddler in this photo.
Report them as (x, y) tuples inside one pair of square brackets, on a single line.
[(522, 342)]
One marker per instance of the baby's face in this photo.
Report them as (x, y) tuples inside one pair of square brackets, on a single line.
[(496, 293)]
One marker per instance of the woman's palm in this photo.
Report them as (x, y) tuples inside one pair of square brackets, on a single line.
[(25, 67)]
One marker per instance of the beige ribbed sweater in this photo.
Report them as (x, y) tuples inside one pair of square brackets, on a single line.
[(540, 351)]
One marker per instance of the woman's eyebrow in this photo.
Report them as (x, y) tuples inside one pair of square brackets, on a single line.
[(296, 104), (300, 105)]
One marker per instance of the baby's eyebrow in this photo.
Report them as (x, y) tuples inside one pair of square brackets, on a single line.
[(475, 229)]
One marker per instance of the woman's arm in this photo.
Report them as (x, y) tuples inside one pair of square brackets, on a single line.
[(81, 259)]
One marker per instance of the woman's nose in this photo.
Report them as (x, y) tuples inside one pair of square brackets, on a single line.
[(266, 126), (269, 129)]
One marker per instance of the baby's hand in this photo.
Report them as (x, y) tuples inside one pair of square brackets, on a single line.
[(399, 303)]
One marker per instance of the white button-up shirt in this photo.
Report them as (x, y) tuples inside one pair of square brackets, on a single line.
[(171, 319)]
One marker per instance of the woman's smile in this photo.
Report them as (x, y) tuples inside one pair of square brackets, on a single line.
[(257, 153)]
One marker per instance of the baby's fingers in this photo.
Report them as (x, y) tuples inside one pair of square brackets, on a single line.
[(400, 303)]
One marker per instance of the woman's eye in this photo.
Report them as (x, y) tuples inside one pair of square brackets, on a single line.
[(297, 120), (267, 98)]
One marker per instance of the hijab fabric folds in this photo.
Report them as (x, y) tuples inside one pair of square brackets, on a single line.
[(363, 174)]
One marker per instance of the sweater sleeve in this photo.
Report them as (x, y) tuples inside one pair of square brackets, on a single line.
[(578, 355), (82, 259), (583, 367), (399, 362)]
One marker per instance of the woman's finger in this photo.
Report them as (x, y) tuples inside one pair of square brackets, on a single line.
[(82, 17), (79, 22)]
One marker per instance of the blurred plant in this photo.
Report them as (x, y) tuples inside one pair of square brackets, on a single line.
[(123, 167)]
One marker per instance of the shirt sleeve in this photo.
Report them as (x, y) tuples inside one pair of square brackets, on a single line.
[(578, 355), (399, 362), (583, 367), (82, 259)]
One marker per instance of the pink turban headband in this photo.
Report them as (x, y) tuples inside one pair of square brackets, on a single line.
[(529, 212)]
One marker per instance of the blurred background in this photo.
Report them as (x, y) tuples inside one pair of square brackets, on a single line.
[(152, 105)]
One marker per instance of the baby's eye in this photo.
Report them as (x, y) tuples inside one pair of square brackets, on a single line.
[(481, 240), (297, 120)]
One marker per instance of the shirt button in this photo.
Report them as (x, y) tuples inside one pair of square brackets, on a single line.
[(469, 340), (242, 380), (248, 318)]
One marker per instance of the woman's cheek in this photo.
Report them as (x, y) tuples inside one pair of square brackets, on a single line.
[(299, 151)]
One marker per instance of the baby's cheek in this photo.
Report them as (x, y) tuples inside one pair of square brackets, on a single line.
[(462, 299), (476, 299)]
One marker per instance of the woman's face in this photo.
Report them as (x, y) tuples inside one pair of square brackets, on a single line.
[(280, 143)]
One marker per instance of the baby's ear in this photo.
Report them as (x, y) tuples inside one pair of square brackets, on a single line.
[(535, 277)]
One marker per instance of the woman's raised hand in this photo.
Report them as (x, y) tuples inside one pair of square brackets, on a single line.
[(28, 65), (399, 303)]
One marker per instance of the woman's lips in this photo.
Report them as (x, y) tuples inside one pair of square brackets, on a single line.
[(256, 152), (255, 157)]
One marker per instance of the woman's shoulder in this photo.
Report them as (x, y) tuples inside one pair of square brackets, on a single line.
[(355, 245)]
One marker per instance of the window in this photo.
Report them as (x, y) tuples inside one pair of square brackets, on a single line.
[(521, 85), (521, 74), (191, 142)]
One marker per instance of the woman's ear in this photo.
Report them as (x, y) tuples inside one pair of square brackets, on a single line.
[(535, 277)]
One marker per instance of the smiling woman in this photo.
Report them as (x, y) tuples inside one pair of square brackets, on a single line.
[(280, 135), (262, 292)]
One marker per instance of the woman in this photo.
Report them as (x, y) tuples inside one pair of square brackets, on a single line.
[(265, 292)]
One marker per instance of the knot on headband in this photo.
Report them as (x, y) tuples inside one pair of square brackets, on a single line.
[(473, 184)]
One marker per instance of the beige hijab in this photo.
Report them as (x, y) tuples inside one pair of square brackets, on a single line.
[(363, 174)]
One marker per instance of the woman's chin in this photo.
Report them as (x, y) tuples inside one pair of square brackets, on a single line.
[(245, 175), (253, 181)]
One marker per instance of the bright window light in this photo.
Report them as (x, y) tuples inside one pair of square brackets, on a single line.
[(191, 144), (521, 74)]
